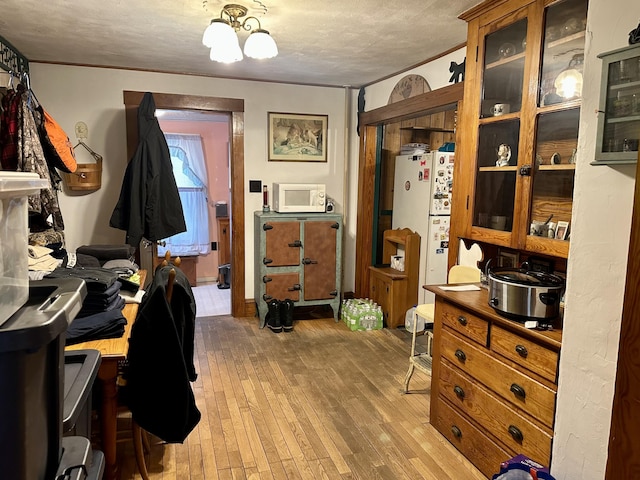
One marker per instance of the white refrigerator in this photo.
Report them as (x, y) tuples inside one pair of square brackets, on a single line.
[(422, 202)]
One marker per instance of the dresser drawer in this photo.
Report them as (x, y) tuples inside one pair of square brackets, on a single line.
[(530, 355), (475, 328), (483, 452), (533, 397), (494, 414)]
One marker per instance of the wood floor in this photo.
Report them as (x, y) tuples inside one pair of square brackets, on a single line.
[(321, 402)]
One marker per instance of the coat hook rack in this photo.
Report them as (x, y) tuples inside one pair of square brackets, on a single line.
[(11, 60)]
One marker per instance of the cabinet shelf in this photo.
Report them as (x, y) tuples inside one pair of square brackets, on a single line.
[(510, 168), (625, 86), (505, 61), (613, 163), (569, 38), (633, 118), (428, 129), (561, 167)]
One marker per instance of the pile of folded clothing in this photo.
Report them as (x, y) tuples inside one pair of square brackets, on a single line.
[(107, 270), (41, 260)]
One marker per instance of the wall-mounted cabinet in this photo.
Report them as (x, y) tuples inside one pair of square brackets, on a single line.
[(520, 123), (619, 109)]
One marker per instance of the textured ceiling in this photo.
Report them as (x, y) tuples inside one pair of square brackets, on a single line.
[(321, 42)]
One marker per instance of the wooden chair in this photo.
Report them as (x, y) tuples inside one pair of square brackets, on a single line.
[(141, 444), (423, 361)]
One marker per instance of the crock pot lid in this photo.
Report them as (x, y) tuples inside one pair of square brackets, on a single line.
[(524, 277)]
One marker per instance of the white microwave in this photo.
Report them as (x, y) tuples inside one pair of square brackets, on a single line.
[(299, 197)]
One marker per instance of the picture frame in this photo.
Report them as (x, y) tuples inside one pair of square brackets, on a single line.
[(561, 230), (297, 137), (508, 259)]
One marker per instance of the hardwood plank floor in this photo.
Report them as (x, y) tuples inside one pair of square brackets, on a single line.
[(321, 402)]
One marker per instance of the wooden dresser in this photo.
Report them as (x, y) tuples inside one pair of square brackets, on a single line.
[(494, 382)]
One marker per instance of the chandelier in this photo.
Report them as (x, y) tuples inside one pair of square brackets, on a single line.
[(221, 36)]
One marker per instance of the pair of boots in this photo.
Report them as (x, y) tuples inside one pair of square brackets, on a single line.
[(280, 315)]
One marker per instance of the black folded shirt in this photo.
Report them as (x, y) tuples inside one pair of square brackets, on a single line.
[(96, 327)]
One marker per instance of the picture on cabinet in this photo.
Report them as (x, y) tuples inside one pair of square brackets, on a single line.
[(297, 137), (561, 231), (508, 259)]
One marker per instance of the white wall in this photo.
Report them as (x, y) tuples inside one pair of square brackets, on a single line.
[(602, 207), (94, 96)]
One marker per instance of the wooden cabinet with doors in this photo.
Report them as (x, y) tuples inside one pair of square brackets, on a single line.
[(494, 382), (297, 256), (396, 290), (520, 119)]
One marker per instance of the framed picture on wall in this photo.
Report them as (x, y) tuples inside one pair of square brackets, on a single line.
[(295, 137)]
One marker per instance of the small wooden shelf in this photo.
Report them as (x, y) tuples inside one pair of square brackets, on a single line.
[(562, 166), (569, 38), (505, 61), (429, 129), (509, 168)]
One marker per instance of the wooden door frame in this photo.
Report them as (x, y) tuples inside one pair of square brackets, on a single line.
[(423, 104), (235, 108), (623, 460)]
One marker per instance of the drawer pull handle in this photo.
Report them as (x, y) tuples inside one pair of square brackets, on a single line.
[(308, 261), (516, 433), (456, 431), (522, 351), (518, 390), (462, 320), (459, 392), (461, 355), (296, 243), (294, 287)]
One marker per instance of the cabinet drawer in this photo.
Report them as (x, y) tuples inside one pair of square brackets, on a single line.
[(483, 452), (494, 414), (530, 355), (466, 323), (533, 397)]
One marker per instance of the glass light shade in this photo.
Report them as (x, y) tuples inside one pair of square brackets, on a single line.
[(218, 31), (569, 83), (260, 45), (228, 54)]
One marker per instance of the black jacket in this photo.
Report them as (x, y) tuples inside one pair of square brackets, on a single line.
[(149, 205), (160, 361)]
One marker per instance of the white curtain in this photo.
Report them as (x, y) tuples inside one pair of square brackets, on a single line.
[(190, 171)]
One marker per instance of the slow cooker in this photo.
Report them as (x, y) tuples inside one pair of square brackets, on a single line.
[(525, 295)]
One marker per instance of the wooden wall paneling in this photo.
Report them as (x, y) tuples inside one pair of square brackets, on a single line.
[(418, 106), (366, 192), (624, 440)]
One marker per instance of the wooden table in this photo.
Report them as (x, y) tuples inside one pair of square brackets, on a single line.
[(113, 351)]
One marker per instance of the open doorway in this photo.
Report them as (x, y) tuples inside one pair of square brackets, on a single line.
[(199, 147), (234, 108)]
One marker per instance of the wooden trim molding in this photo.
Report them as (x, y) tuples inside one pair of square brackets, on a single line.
[(235, 108), (422, 104), (624, 441)]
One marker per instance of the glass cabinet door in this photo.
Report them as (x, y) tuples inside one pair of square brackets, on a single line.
[(557, 122), (619, 115), (499, 129)]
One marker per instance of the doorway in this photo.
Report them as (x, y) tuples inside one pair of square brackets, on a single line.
[(199, 147), (234, 109)]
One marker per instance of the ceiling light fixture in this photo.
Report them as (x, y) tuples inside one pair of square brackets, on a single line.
[(221, 36), (569, 82)]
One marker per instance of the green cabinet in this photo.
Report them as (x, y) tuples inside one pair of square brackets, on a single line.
[(297, 256)]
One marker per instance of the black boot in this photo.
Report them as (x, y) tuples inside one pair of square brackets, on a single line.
[(273, 316), (286, 315)]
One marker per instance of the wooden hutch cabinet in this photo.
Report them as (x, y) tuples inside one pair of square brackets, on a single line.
[(297, 256), (495, 382), (523, 85)]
